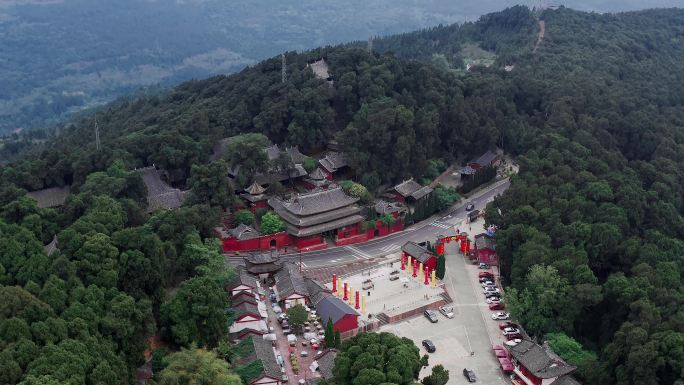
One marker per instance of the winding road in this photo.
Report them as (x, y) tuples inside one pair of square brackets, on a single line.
[(442, 224)]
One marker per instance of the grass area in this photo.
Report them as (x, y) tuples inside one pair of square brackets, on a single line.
[(474, 55)]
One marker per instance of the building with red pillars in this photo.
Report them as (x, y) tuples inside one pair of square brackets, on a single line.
[(420, 253), (255, 196)]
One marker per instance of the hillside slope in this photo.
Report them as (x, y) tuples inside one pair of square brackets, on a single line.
[(591, 230)]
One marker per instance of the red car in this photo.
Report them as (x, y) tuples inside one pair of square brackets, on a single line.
[(513, 336), (508, 324), (496, 306), (485, 274)]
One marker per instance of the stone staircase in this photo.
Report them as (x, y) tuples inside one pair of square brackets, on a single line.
[(383, 318)]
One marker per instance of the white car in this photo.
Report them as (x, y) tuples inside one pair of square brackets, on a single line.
[(494, 300), (513, 342), (488, 283), (447, 311), (500, 315), (490, 289), (508, 331)]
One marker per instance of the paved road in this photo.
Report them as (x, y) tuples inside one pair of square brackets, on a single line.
[(426, 230)]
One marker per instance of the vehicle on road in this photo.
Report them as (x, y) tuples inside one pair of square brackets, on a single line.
[(496, 306), (431, 315), (429, 346), (508, 331), (508, 324), (494, 300), (486, 274), (513, 342), (447, 311), (500, 316), (470, 207), (469, 374), (485, 279), (472, 216)]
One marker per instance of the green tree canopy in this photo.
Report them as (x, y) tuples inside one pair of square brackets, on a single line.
[(271, 223), (197, 367)]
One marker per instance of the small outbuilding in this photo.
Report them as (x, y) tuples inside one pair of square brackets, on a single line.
[(419, 252)]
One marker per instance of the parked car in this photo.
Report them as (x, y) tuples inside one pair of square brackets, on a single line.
[(513, 337), (277, 309), (469, 374), (513, 342), (484, 266), (508, 324), (508, 331), (447, 311), (496, 306), (470, 207), (488, 284), (486, 274), (494, 300), (490, 289), (285, 378), (304, 353), (500, 316), (493, 295), (431, 315), (282, 317), (429, 346)]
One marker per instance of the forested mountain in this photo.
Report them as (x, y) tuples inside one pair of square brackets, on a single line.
[(590, 232)]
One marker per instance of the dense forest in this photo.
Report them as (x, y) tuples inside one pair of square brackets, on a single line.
[(590, 232)]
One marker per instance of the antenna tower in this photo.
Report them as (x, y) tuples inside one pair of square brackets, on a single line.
[(283, 69), (370, 45), (97, 136)]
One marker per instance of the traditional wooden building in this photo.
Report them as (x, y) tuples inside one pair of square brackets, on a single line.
[(243, 282), (247, 316), (410, 191), (290, 288), (489, 158), (160, 196), (246, 238), (343, 316), (419, 252), (485, 249), (255, 196), (256, 362), (334, 164), (50, 197), (317, 179), (263, 265), (535, 365), (309, 216)]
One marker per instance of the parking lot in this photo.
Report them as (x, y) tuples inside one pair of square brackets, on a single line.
[(470, 330)]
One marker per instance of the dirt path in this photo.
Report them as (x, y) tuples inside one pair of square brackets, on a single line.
[(542, 29)]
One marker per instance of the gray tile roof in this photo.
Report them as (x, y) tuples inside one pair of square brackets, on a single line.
[(334, 161), (242, 278), (289, 280), (243, 232), (242, 297), (331, 307), (317, 174), (566, 380), (416, 251), (316, 290), (273, 152), (421, 192), (311, 220), (485, 159), (264, 353), (246, 308), (538, 361), (467, 170), (407, 187), (255, 189), (383, 207), (50, 197), (323, 227), (160, 196), (295, 156), (316, 202), (326, 363)]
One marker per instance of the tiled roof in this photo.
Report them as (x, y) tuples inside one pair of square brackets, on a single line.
[(242, 297), (482, 241), (383, 207), (334, 161), (467, 170), (50, 197), (331, 307), (421, 192), (246, 308), (317, 174), (266, 257), (51, 247), (566, 380), (294, 154), (311, 220), (160, 196), (416, 251), (295, 172), (485, 159), (243, 232), (255, 189), (264, 353), (316, 290), (320, 228), (289, 280), (315, 202), (273, 152), (326, 363), (407, 187), (538, 361), (242, 278)]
